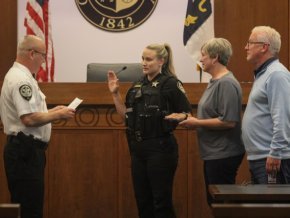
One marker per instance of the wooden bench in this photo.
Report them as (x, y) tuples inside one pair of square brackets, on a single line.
[(9, 210), (252, 210), (251, 193), (255, 201)]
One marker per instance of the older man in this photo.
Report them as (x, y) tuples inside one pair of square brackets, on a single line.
[(266, 121), (26, 122)]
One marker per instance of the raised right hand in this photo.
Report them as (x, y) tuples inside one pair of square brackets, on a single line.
[(113, 82)]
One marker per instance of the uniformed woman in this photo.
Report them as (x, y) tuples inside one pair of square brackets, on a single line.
[(152, 145)]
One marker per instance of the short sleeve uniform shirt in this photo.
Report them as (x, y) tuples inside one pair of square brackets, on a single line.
[(21, 95)]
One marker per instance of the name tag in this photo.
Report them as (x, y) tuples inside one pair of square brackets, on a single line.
[(130, 109)]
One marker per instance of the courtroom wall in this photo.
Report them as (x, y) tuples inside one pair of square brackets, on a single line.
[(233, 20), (8, 34)]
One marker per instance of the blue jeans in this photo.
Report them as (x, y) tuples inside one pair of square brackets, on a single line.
[(260, 176)]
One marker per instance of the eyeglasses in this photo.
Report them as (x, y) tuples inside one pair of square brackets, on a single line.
[(253, 42), (38, 52)]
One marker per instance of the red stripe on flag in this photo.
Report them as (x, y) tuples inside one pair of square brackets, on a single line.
[(29, 31), (34, 15), (41, 29)]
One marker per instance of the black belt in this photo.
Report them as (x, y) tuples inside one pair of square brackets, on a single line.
[(30, 140), (137, 135)]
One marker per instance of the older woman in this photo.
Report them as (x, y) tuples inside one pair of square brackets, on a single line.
[(218, 121)]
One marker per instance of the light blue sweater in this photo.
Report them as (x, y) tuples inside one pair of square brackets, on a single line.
[(266, 121)]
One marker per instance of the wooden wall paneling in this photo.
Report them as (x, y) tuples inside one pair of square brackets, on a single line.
[(8, 35), (83, 174), (127, 203), (180, 190), (235, 19), (197, 202), (4, 194)]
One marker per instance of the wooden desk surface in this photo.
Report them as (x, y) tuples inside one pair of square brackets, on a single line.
[(255, 193)]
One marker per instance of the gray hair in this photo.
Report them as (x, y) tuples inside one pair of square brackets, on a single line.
[(220, 48), (28, 42), (269, 35)]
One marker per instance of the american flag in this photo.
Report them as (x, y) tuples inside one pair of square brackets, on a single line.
[(37, 22)]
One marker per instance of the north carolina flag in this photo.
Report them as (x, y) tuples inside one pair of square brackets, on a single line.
[(198, 28), (37, 22)]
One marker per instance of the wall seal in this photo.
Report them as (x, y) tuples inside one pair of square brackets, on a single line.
[(116, 15)]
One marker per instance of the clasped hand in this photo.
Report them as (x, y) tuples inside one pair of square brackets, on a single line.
[(190, 122)]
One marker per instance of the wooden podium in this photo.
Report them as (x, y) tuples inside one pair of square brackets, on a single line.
[(88, 171), (257, 201)]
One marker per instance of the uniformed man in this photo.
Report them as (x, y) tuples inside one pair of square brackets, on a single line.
[(26, 122), (153, 147)]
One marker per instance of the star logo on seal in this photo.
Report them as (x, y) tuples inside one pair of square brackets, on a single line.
[(116, 15)]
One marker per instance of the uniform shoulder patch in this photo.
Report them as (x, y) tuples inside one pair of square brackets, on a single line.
[(180, 87), (25, 92)]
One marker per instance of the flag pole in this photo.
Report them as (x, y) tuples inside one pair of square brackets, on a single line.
[(198, 68)]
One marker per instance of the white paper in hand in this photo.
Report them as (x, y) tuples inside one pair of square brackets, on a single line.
[(75, 103)]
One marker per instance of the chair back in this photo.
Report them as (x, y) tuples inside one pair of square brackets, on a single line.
[(129, 72)]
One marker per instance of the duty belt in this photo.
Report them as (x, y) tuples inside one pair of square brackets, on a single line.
[(137, 135), (30, 140)]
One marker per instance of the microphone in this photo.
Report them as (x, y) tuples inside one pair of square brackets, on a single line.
[(124, 68)]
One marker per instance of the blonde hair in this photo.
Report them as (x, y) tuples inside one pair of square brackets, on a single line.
[(164, 51)]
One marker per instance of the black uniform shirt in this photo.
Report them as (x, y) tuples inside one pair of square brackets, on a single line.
[(149, 101)]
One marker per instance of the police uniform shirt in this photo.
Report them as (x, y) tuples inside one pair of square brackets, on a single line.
[(143, 102), (172, 92), (21, 95), (176, 96)]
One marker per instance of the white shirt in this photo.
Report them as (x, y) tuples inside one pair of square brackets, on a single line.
[(21, 95)]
